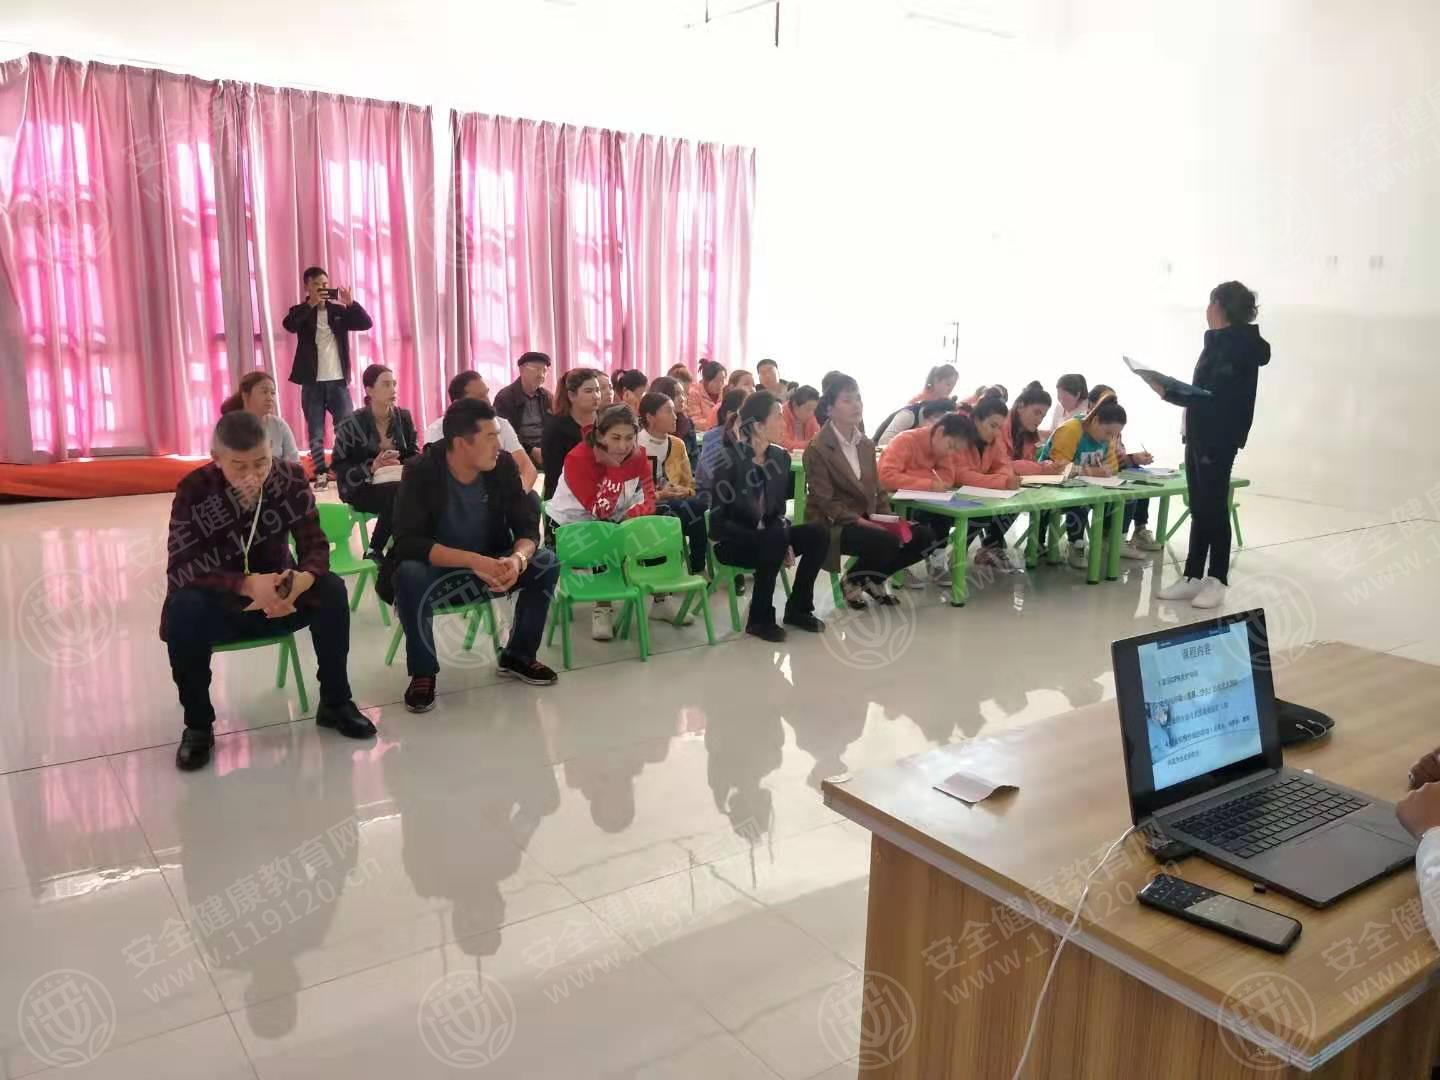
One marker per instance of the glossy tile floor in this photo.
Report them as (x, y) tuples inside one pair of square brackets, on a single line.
[(631, 874)]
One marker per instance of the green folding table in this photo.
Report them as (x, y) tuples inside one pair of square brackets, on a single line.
[(1164, 490)]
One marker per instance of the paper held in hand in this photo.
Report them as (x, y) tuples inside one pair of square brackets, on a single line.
[(1171, 385)]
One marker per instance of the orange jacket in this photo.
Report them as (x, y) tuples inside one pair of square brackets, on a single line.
[(909, 462), (1025, 464), (797, 437), (700, 407), (988, 468)]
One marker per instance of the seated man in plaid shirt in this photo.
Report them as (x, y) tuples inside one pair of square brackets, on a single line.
[(231, 577)]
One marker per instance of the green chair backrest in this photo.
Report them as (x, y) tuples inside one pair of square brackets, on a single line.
[(591, 548), (336, 523), (654, 548)]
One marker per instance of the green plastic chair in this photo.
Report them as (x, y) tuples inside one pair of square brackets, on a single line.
[(478, 611), (361, 520), (337, 523), (654, 558), (591, 571), (289, 655)]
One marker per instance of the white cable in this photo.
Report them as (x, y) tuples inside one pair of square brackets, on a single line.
[(1055, 960)]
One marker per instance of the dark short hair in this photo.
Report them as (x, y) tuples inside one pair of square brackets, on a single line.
[(532, 358), (312, 272), (989, 406), (611, 416), (463, 419), (460, 383), (1109, 412), (629, 380), (1236, 301), (955, 425), (667, 386), (1073, 384), (767, 362), (729, 405), (939, 407), (837, 383), (801, 394), (1098, 391), (653, 402), (757, 407), (238, 431)]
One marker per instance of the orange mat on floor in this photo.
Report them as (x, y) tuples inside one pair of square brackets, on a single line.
[(96, 479)]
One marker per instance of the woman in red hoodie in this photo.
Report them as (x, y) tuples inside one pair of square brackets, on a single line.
[(606, 477)]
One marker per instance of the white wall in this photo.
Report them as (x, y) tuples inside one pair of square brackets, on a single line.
[(1067, 194)]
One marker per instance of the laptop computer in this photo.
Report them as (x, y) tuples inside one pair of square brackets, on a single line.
[(1203, 763)]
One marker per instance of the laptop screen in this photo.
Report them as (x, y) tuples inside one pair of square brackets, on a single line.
[(1199, 703), (1197, 709)]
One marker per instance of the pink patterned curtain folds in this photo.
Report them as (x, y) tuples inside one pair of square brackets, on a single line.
[(153, 228), (602, 248)]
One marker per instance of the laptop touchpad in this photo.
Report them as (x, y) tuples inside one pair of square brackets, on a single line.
[(1326, 864)]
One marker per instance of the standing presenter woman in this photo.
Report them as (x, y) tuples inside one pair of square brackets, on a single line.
[(1216, 427)]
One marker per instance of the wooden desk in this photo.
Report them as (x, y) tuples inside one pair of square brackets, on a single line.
[(965, 902)]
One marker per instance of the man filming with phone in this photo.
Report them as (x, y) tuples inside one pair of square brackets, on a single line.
[(321, 325)]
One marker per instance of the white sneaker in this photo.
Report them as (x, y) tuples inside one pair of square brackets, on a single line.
[(1211, 594), (1079, 557), (1145, 540), (1132, 550), (602, 623), (666, 608), (915, 577), (1187, 588), (939, 566)]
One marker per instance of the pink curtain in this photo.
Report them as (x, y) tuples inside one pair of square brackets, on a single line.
[(343, 183), (109, 255), (153, 230), (602, 248)]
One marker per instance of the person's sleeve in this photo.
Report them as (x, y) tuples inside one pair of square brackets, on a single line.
[(987, 472), (1427, 876), (509, 441), (356, 317), (903, 420), (1026, 467), (350, 458), (898, 469), (1064, 443), (288, 450), (587, 482), (411, 433), (411, 522), (523, 512), (192, 561), (640, 468), (684, 478), (820, 491), (312, 549), (296, 317), (697, 408)]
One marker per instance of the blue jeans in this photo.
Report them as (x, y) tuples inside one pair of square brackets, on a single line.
[(1137, 513), (316, 399), (420, 587)]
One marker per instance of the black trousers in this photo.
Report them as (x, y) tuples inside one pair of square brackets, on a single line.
[(994, 529), (1207, 472), (378, 499), (691, 513), (196, 620), (879, 553), (764, 552)]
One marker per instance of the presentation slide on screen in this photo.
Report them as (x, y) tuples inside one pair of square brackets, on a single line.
[(1199, 703)]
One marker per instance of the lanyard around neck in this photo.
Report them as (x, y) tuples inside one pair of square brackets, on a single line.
[(254, 524)]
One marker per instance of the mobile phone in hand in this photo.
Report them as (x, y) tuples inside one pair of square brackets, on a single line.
[(330, 294), (285, 584)]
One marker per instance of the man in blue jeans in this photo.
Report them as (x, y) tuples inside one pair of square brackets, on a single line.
[(467, 530), (321, 325)]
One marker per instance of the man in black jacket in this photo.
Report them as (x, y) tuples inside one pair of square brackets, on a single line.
[(322, 358), (466, 530), (526, 404)]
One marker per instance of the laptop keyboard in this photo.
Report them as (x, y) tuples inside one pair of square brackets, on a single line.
[(1253, 824)]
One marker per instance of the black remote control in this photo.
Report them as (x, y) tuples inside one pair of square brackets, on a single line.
[(1240, 919)]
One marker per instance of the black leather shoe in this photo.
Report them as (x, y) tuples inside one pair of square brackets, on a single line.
[(767, 632), (805, 621), (346, 719), (194, 751)]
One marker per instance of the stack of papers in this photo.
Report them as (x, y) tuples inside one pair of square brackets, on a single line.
[(1042, 480), (986, 493), (923, 496), (1102, 481)]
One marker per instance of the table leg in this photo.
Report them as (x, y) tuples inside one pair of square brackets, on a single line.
[(1032, 541), (1117, 539), (1096, 1023), (959, 562), (1097, 542), (799, 475), (1163, 520), (1051, 539)]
